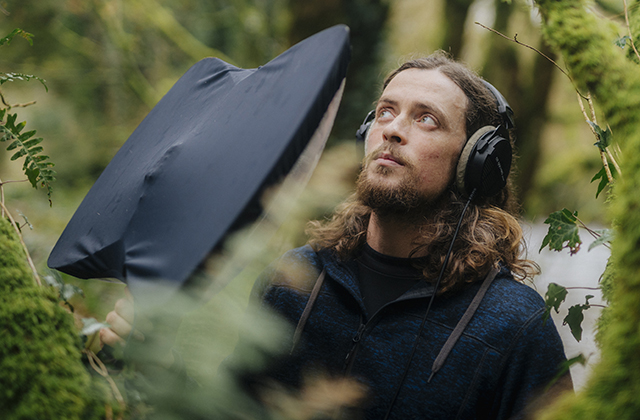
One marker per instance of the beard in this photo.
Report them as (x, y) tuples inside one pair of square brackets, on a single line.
[(402, 196)]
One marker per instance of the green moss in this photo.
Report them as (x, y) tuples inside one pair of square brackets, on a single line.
[(596, 65), (41, 372)]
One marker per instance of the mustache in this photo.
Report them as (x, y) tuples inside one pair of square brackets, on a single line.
[(384, 149)]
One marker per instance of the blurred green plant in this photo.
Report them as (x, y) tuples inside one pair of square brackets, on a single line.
[(37, 166)]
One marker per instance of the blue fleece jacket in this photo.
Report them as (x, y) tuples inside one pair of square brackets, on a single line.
[(505, 356)]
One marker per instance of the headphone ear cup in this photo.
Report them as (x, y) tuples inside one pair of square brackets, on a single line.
[(487, 163), (461, 169)]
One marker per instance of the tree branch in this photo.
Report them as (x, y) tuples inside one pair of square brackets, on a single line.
[(626, 18)]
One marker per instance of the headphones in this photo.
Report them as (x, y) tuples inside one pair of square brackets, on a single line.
[(485, 160)]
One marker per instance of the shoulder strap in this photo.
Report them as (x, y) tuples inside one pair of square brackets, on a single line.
[(307, 310), (462, 324)]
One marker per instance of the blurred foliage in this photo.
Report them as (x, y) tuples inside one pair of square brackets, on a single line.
[(41, 372)]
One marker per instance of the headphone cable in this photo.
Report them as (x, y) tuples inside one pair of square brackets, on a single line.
[(424, 318)]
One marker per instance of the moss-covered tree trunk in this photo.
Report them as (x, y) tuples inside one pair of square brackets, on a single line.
[(41, 371), (596, 65)]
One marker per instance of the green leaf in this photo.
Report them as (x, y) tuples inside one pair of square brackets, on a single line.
[(91, 326), (606, 236), (604, 136), (16, 32), (36, 166), (563, 232), (622, 41), (575, 317), (54, 279), (67, 291), (26, 220), (13, 77), (604, 180), (555, 295), (19, 154), (32, 174)]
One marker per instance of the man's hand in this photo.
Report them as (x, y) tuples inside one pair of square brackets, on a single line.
[(121, 321)]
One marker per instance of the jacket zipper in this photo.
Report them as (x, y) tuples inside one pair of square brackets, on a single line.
[(349, 359)]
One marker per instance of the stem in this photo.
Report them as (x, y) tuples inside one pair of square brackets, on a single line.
[(593, 233), (12, 181), (605, 163), (592, 108), (99, 367), (2, 198), (603, 155), (515, 39), (613, 160), (581, 287), (626, 18), (24, 246)]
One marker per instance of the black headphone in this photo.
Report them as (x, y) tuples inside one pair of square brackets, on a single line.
[(485, 160)]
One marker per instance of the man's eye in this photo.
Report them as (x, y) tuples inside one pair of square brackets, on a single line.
[(385, 113), (428, 119)]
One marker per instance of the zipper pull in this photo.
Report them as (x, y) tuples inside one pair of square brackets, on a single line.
[(356, 339), (358, 336)]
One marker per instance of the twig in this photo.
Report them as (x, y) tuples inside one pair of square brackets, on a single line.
[(603, 155), (24, 246), (99, 367), (24, 105), (515, 39), (581, 287), (626, 18), (2, 198), (4, 101), (592, 108), (11, 181), (592, 232)]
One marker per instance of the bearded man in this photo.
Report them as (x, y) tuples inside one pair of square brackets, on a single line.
[(376, 263), (415, 286)]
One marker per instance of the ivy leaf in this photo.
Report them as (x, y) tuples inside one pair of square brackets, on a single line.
[(555, 295), (604, 179), (65, 291), (575, 317), (563, 232), (606, 236), (622, 41), (32, 174), (69, 290), (91, 326), (26, 220), (604, 136)]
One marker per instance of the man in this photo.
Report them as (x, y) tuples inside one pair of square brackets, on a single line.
[(382, 312)]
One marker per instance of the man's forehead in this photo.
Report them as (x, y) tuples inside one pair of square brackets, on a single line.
[(425, 89)]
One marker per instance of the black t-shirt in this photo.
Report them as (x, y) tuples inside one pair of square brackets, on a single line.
[(383, 278)]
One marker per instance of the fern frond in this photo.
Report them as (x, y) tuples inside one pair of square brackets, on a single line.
[(16, 32), (37, 166), (12, 77)]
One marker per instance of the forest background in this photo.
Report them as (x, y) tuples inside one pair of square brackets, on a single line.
[(107, 62)]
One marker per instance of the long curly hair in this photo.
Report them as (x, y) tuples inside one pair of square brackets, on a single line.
[(489, 231)]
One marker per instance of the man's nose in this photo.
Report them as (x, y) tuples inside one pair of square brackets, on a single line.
[(396, 131)]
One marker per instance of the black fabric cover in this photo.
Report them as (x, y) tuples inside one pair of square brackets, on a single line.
[(192, 170)]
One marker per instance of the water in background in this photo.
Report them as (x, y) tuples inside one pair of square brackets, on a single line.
[(580, 270)]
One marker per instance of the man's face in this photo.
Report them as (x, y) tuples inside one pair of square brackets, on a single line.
[(416, 139)]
